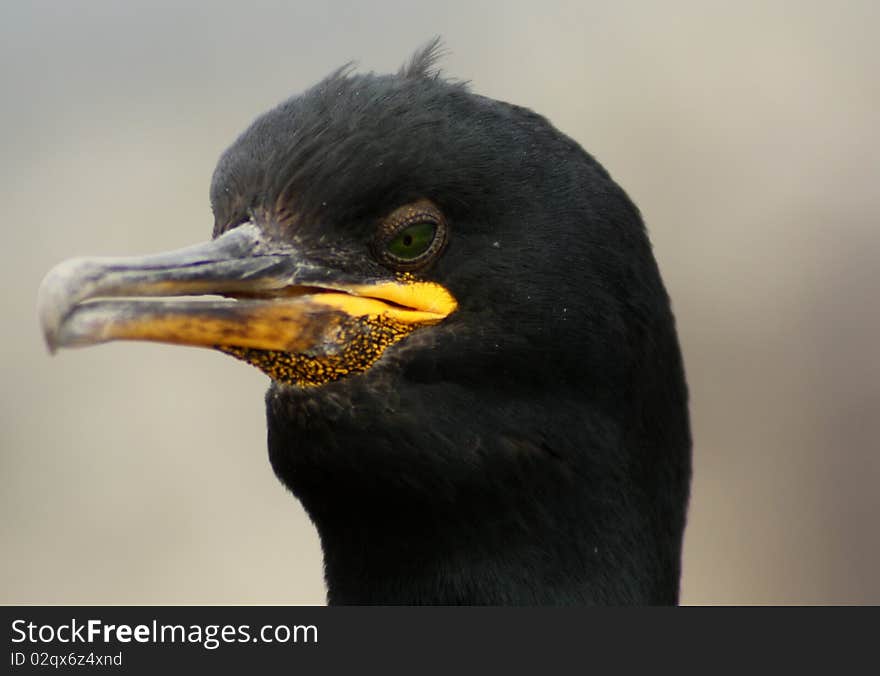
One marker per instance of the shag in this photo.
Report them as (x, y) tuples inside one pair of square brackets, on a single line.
[(477, 391)]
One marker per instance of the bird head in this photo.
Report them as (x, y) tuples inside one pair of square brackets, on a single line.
[(465, 332)]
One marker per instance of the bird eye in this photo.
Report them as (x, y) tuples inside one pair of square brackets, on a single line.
[(411, 236), (412, 241)]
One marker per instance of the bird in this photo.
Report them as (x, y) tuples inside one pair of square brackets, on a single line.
[(476, 389)]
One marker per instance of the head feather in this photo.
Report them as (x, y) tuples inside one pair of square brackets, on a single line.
[(423, 64)]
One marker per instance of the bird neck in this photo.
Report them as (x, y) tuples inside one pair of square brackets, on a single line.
[(482, 549), (411, 555), (567, 508)]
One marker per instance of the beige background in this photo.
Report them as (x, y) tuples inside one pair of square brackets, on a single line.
[(747, 133)]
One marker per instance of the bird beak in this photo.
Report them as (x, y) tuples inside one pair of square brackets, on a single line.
[(299, 321)]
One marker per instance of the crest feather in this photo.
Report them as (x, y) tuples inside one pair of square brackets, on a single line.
[(423, 64)]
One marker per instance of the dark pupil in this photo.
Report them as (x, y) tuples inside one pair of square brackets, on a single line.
[(413, 240)]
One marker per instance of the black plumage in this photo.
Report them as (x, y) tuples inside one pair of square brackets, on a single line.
[(531, 448)]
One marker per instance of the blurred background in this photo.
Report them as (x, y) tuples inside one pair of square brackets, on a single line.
[(746, 132)]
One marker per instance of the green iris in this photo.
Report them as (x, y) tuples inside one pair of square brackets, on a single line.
[(412, 241)]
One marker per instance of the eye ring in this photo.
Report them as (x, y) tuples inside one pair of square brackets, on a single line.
[(411, 236)]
